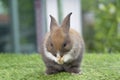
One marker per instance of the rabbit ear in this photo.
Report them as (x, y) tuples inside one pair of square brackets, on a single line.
[(66, 23), (53, 23)]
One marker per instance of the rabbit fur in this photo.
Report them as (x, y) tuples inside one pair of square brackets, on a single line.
[(62, 48)]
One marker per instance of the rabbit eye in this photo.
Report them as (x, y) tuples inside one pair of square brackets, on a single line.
[(51, 44), (64, 44)]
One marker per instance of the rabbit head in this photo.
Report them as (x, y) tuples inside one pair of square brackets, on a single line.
[(59, 41)]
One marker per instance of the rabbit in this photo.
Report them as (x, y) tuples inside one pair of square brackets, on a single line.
[(62, 48)]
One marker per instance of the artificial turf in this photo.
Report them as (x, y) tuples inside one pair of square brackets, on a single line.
[(31, 67)]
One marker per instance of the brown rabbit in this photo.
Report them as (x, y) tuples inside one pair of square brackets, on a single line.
[(62, 48)]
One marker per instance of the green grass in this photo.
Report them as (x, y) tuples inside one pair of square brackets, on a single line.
[(31, 67)]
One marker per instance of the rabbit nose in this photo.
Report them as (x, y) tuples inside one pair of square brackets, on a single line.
[(59, 54)]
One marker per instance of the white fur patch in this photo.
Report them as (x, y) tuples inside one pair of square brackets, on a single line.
[(49, 55), (67, 57)]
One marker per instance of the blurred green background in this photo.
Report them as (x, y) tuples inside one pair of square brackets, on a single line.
[(103, 35), (100, 25)]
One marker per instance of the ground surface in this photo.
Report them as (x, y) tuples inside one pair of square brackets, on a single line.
[(31, 67)]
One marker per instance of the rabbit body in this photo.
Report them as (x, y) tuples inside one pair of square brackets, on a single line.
[(62, 48)]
